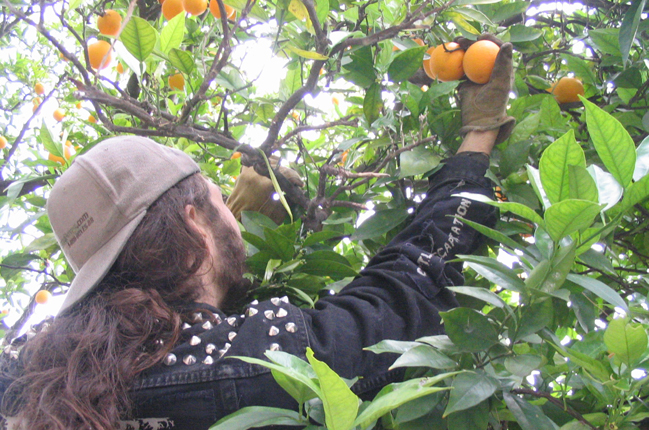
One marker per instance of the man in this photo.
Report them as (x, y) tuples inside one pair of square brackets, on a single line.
[(141, 341)]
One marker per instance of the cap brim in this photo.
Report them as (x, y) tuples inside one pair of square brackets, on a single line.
[(97, 266)]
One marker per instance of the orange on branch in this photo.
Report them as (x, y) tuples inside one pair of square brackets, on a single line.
[(37, 101), (92, 119), (479, 61), (39, 89), (78, 105), (109, 23), (195, 7), (177, 81), (428, 68), (235, 155), (230, 12), (419, 42), (42, 297), (100, 54), (171, 8), (567, 90), (446, 62), (120, 68), (58, 115), (3, 142)]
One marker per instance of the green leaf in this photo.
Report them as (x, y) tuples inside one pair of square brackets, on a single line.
[(474, 418), (424, 356), (278, 189), (600, 289), (569, 216), (636, 193), (327, 263), (417, 161), (340, 404), (322, 10), (534, 319), (527, 415), (522, 33), (465, 2), (495, 272), (372, 103), (606, 40), (469, 389), (254, 222), (628, 341), (311, 55), (256, 12), (591, 365), (181, 60), (582, 185), (282, 246), (172, 34), (516, 208), (524, 129), (139, 37), (553, 167), (258, 416), (12, 264), (380, 223), (48, 142), (612, 142), (395, 346), (400, 394), (629, 27), (490, 233), (482, 294), (361, 69), (469, 329), (299, 391), (319, 237), (581, 68), (522, 365), (297, 373), (406, 63)]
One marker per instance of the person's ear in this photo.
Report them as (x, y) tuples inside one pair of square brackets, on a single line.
[(194, 219)]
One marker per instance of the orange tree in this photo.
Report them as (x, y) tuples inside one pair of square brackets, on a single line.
[(552, 329)]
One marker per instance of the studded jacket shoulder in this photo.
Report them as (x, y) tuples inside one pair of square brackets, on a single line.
[(397, 296)]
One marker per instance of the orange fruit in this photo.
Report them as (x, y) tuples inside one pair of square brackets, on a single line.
[(446, 62), (419, 42), (39, 89), (59, 115), (37, 101), (42, 297), (427, 64), (230, 13), (110, 23), (97, 51), (335, 100), (567, 90), (92, 119), (67, 153), (78, 105), (235, 155), (177, 81), (295, 115), (195, 7), (3, 142), (120, 68), (479, 61), (171, 8), (63, 57)]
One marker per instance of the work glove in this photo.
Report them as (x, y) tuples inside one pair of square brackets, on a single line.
[(484, 106), (254, 192)]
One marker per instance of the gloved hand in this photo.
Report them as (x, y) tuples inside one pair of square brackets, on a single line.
[(254, 192), (484, 107)]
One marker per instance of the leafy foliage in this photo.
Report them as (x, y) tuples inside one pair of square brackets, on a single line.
[(552, 329)]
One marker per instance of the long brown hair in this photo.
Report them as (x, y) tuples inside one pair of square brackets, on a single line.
[(77, 372)]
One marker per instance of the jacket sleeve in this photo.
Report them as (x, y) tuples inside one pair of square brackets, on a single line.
[(402, 290)]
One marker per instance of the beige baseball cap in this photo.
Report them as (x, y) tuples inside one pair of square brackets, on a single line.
[(97, 203)]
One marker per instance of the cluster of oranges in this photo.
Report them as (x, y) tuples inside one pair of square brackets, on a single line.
[(171, 8), (449, 62)]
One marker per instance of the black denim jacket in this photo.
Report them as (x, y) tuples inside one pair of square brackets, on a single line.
[(397, 296)]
